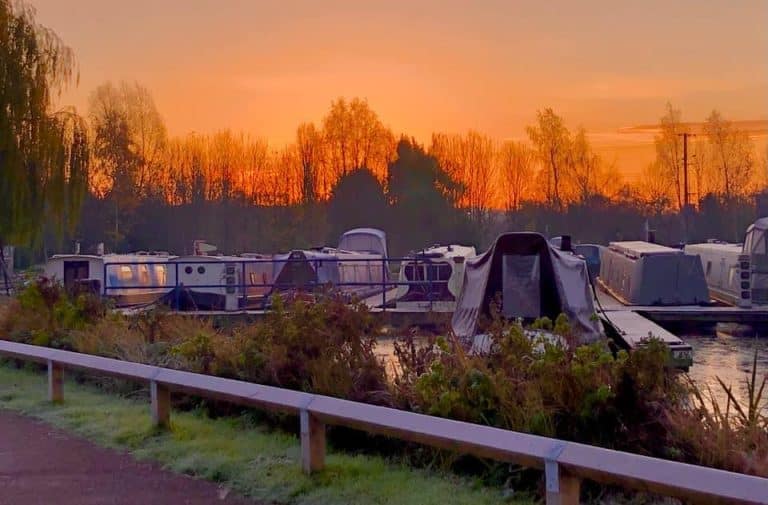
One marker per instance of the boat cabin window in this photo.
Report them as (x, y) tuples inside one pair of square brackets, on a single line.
[(161, 275), (125, 273), (143, 274), (521, 292), (709, 268), (258, 279), (361, 242)]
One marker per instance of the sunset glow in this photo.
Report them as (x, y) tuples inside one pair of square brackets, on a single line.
[(265, 67)]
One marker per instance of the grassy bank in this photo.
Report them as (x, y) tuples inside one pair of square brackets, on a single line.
[(235, 452)]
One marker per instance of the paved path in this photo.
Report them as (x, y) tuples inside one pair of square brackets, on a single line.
[(43, 465)]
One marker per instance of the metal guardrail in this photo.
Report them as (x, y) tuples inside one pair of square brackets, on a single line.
[(565, 464)]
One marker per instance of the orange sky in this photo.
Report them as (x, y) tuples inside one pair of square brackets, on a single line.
[(264, 67)]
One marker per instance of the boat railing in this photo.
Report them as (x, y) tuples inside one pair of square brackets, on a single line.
[(382, 273)]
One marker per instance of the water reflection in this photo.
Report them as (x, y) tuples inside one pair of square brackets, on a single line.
[(729, 358)]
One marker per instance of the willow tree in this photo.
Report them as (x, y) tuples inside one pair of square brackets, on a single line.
[(43, 154)]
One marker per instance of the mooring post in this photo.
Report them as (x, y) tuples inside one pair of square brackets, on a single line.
[(562, 489), (55, 382), (161, 404), (312, 442)]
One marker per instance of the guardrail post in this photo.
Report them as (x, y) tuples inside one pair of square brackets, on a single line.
[(55, 382), (161, 404), (312, 442), (562, 489)]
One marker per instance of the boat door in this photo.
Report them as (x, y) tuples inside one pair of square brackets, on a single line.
[(75, 271)]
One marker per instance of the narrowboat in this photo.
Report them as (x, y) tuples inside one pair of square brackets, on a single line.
[(218, 282), (644, 273), (737, 274), (128, 279)]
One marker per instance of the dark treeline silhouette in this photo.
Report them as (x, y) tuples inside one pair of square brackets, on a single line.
[(415, 207)]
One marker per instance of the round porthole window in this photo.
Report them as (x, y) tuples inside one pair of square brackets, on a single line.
[(188, 269), (201, 270)]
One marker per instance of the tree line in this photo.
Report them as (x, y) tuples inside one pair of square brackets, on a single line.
[(125, 181)]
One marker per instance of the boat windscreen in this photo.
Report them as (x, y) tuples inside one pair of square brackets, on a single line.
[(362, 242)]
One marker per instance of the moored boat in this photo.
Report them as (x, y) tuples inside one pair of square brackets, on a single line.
[(434, 276), (644, 273)]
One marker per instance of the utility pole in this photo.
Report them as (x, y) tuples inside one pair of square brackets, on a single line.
[(686, 194), (685, 169)]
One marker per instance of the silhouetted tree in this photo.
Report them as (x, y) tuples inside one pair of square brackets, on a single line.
[(357, 200), (43, 155), (552, 141), (355, 138), (732, 156), (669, 152), (423, 211)]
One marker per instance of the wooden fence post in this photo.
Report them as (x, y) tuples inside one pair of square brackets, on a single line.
[(312, 442), (562, 489), (55, 382), (161, 404)]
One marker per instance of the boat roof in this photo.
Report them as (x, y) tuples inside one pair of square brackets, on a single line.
[(638, 248), (365, 231), (715, 246), (205, 258), (447, 251), (115, 258)]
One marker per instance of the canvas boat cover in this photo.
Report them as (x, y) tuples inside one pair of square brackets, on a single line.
[(533, 279), (304, 269)]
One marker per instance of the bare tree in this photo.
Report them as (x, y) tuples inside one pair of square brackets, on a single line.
[(355, 138), (584, 168), (732, 154), (669, 151), (516, 163), (471, 160), (447, 150), (552, 141), (309, 147), (656, 189), (129, 135)]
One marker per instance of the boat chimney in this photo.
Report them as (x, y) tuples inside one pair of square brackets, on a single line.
[(565, 243), (77, 247), (650, 236), (100, 248)]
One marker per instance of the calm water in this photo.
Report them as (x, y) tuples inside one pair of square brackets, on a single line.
[(729, 358), (725, 356)]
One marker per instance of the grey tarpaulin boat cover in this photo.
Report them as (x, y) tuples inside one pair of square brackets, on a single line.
[(533, 279)]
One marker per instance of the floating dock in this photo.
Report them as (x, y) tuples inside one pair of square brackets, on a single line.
[(634, 330), (692, 315)]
